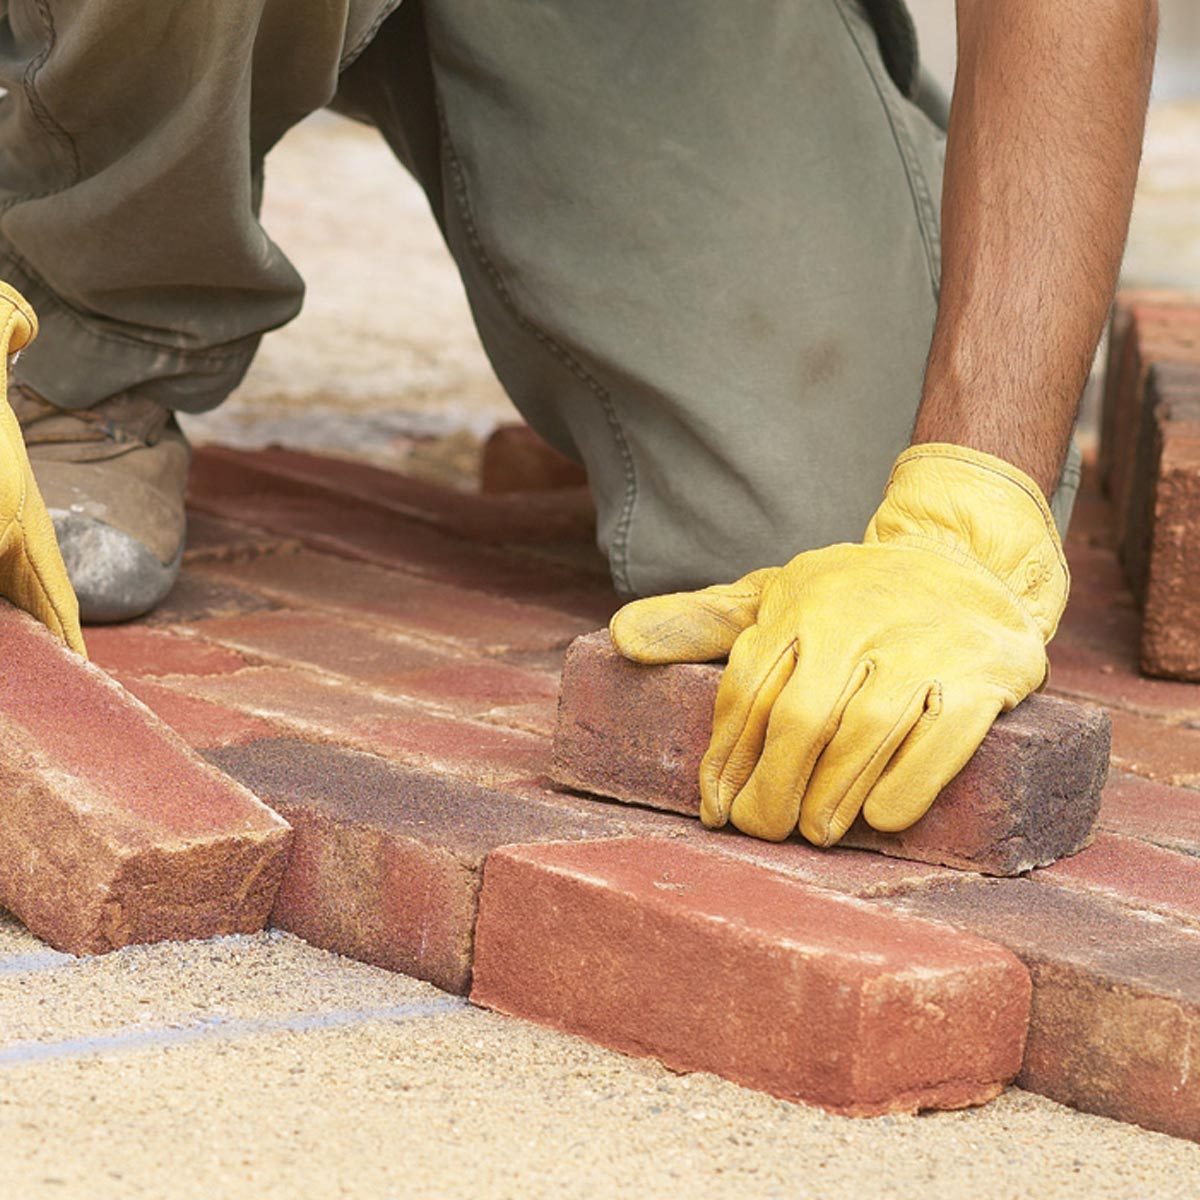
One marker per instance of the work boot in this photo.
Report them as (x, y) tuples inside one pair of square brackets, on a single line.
[(113, 477)]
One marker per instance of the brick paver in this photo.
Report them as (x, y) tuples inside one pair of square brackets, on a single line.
[(386, 678)]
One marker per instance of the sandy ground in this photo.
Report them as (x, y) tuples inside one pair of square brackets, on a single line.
[(262, 1068)]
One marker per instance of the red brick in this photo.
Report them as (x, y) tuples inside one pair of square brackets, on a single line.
[(537, 717), (567, 514), (1171, 623), (201, 723), (515, 459), (652, 947), (1116, 995), (1154, 812), (114, 832), (491, 624), (1156, 749), (1109, 676), (353, 528), (1030, 794), (331, 711), (140, 651), (386, 861), (1134, 873), (211, 539)]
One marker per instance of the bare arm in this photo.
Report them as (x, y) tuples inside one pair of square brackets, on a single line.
[(1045, 137)]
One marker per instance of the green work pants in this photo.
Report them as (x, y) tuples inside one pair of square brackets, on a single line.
[(700, 240)]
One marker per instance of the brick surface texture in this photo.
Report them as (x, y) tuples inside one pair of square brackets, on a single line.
[(804, 994), (1030, 795), (111, 830), (379, 661)]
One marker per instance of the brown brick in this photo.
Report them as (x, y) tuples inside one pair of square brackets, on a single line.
[(490, 624), (197, 595), (1116, 995), (113, 832), (1030, 794), (386, 861), (657, 948), (1154, 812), (515, 459)]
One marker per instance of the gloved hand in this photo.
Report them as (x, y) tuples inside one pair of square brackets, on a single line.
[(863, 677), (32, 575)]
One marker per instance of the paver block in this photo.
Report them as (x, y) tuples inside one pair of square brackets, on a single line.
[(111, 830), (656, 948), (1154, 812), (1116, 995), (1030, 794), (515, 459), (386, 861), (1157, 749)]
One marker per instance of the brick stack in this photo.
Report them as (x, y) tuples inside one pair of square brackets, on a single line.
[(1150, 468), (386, 678)]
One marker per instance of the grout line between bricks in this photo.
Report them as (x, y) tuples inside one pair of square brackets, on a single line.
[(221, 1029)]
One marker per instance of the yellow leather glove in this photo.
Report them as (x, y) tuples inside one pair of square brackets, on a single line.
[(863, 677), (32, 575)]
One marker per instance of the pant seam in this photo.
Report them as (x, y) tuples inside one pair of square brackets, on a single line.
[(917, 183), (37, 106), (619, 550)]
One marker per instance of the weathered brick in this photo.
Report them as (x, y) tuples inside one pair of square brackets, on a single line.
[(1157, 749), (111, 830), (201, 723), (1132, 872), (197, 595), (139, 650), (386, 861), (211, 539), (491, 624), (1116, 995), (329, 710), (354, 528), (657, 948), (515, 459), (1154, 812), (1030, 794)]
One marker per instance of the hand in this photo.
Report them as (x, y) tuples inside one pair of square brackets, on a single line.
[(32, 574), (863, 677)]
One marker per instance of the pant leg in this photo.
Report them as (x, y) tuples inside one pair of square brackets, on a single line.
[(700, 242), (131, 148)]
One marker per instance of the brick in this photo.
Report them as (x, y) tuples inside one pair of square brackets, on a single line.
[(1132, 872), (564, 515), (1154, 812), (386, 861), (141, 651), (329, 710), (655, 948), (1116, 995), (201, 723), (515, 459), (347, 526), (197, 596), (211, 539), (113, 831), (490, 624), (1171, 621), (1029, 796), (1159, 750)]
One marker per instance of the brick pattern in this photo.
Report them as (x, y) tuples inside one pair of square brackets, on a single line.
[(111, 830), (1150, 467), (1030, 794), (385, 679)]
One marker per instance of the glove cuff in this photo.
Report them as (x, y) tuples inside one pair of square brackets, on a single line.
[(976, 508)]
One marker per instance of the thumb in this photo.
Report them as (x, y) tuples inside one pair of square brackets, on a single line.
[(689, 626)]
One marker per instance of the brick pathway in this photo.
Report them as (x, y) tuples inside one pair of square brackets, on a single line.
[(378, 660)]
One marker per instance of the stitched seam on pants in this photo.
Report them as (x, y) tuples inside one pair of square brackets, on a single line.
[(174, 355), (619, 552), (918, 185), (37, 106)]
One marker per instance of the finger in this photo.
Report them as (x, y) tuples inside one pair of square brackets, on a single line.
[(804, 718), (875, 723), (939, 746), (757, 672), (689, 626)]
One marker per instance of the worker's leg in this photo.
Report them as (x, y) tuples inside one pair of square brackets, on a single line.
[(131, 144)]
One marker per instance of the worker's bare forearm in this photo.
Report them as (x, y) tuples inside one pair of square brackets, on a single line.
[(1044, 142)]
